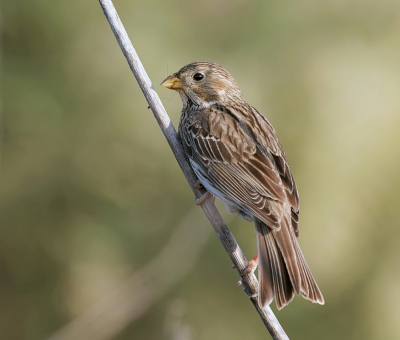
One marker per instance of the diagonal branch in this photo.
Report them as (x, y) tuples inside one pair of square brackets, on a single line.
[(249, 282)]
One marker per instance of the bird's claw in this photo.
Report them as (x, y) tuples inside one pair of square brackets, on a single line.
[(202, 199), (251, 267), (198, 185), (253, 296)]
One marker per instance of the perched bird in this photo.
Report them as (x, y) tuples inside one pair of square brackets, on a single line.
[(237, 157)]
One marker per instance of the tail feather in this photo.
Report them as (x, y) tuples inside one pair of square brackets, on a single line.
[(282, 269), (265, 266), (309, 288), (286, 247), (274, 280), (282, 285)]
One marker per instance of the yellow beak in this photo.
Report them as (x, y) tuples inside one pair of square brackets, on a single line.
[(172, 83)]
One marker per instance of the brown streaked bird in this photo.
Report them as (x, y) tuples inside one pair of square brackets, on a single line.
[(237, 157)]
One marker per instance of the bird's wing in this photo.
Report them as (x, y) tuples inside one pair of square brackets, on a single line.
[(251, 171), (268, 139)]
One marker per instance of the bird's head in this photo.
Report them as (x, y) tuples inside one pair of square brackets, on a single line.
[(203, 83)]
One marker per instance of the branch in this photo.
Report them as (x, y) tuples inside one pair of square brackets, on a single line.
[(249, 282)]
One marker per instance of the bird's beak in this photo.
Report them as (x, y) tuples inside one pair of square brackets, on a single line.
[(172, 83)]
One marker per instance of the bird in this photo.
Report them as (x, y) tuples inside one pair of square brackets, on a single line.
[(237, 157)]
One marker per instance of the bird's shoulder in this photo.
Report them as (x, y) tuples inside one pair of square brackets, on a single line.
[(216, 127), (242, 126)]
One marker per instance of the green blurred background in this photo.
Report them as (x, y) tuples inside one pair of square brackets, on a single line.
[(91, 194)]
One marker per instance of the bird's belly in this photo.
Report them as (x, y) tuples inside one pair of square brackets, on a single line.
[(232, 206)]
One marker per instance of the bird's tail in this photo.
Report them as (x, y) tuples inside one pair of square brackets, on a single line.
[(282, 268)]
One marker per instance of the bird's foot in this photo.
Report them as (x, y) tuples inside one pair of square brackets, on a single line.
[(198, 185), (202, 199), (251, 267)]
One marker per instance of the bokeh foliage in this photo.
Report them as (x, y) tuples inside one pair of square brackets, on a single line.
[(90, 191)]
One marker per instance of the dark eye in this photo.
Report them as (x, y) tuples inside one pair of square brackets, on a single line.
[(198, 76)]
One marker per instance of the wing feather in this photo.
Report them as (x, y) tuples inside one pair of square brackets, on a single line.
[(250, 173)]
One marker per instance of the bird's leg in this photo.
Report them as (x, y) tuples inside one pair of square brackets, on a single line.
[(201, 200), (206, 195), (251, 267)]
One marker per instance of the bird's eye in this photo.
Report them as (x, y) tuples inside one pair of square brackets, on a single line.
[(198, 76)]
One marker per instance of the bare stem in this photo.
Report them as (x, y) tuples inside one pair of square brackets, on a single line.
[(249, 282)]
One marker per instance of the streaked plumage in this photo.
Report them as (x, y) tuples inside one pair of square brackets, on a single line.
[(237, 156)]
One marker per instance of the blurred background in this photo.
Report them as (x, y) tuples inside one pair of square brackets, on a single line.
[(99, 232)]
